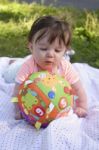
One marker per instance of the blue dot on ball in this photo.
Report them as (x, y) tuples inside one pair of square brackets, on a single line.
[(51, 94)]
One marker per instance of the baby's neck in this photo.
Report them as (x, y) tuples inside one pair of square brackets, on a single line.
[(53, 70)]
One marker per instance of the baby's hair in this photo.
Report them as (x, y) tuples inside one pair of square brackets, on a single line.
[(53, 28)]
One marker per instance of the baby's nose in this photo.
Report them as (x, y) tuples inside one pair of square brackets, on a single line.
[(50, 53)]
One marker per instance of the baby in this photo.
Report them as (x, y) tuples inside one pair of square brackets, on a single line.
[(48, 41)]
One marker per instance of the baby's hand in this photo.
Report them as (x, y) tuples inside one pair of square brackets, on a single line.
[(81, 112), (18, 115)]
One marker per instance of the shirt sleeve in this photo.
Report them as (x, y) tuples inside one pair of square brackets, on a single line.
[(25, 70), (70, 73)]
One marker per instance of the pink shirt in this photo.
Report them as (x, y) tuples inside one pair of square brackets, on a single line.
[(65, 69)]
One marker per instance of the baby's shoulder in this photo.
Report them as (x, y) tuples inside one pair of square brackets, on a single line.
[(65, 63), (29, 60)]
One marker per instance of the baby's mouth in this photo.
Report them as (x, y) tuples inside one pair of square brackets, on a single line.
[(49, 62)]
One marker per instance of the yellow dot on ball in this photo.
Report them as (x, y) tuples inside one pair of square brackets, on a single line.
[(14, 100), (26, 111), (37, 125)]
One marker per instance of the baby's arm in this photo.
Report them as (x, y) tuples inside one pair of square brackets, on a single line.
[(22, 74), (81, 103), (17, 111)]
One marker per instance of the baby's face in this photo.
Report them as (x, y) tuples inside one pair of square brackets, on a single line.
[(48, 56)]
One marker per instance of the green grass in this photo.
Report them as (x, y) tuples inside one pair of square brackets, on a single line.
[(16, 20)]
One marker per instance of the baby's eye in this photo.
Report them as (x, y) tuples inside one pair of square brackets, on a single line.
[(43, 49), (57, 50)]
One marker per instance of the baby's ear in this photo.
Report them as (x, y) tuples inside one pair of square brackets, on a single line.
[(30, 46)]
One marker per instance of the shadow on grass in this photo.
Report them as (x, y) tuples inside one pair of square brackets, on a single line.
[(6, 16)]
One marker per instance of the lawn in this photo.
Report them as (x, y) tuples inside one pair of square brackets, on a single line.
[(16, 20)]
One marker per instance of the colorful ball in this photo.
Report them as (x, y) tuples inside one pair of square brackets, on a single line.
[(44, 97)]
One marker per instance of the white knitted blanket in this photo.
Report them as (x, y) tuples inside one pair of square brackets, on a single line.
[(67, 133)]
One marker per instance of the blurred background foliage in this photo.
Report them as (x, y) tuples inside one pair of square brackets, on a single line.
[(16, 20)]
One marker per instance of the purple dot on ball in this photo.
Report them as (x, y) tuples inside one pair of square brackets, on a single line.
[(51, 94), (44, 125)]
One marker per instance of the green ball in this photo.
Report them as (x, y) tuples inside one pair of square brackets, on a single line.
[(44, 97)]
